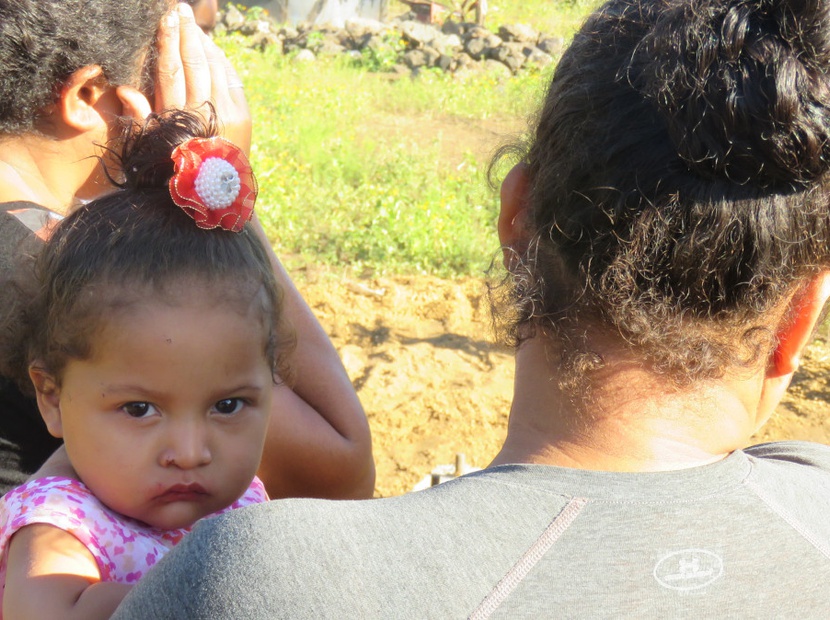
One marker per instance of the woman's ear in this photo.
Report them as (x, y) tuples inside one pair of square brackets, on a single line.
[(81, 100), (794, 333), (512, 225), (799, 325), (48, 395)]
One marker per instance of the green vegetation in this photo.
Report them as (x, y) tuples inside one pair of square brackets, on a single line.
[(353, 167)]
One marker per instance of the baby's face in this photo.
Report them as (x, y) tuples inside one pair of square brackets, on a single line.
[(166, 421)]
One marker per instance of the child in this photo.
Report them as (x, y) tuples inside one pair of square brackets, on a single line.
[(152, 341)]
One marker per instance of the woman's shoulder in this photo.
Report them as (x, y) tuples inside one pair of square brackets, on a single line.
[(23, 227), (792, 453), (21, 220)]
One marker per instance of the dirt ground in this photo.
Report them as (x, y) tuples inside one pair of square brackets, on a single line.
[(420, 352)]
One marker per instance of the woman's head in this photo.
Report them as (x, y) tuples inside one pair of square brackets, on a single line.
[(42, 42), (676, 186)]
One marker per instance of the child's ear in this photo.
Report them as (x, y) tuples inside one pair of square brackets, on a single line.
[(48, 395)]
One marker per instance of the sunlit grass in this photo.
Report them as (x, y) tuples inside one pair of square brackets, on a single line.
[(336, 189)]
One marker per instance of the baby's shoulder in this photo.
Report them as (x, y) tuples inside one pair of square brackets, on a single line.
[(44, 500)]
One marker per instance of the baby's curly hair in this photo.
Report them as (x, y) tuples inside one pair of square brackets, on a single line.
[(678, 184), (134, 242)]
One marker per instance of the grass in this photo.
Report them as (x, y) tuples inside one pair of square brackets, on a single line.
[(336, 190)]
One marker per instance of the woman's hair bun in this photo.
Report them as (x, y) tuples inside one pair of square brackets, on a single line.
[(743, 86), (146, 148)]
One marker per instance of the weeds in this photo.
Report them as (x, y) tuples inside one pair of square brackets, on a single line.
[(336, 188)]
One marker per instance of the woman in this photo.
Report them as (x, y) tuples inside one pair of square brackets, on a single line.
[(667, 238), (69, 70)]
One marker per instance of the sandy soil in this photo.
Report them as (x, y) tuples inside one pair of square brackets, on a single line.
[(421, 355)]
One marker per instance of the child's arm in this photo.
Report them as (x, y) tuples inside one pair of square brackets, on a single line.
[(51, 574)]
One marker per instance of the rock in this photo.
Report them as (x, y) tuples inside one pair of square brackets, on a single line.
[(329, 47), (234, 20), (411, 45), (447, 43), (551, 45), (418, 33), (511, 54), (288, 33), (432, 56), (477, 32), (305, 55), (496, 67), (476, 48), (537, 57), (415, 59), (520, 33), (478, 42), (463, 61), (445, 62), (375, 42), (361, 27), (451, 27), (254, 26), (261, 40)]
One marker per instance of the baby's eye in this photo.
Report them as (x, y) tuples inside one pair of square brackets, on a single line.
[(228, 405), (137, 409)]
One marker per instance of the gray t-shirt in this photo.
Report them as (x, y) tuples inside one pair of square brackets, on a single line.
[(746, 537)]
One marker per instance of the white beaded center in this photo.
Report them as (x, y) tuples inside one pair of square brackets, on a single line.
[(217, 183)]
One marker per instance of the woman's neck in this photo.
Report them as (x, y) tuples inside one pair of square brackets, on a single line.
[(634, 422), (41, 170)]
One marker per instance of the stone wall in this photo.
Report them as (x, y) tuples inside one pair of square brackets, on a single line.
[(402, 45)]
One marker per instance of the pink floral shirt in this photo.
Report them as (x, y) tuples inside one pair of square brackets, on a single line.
[(123, 548)]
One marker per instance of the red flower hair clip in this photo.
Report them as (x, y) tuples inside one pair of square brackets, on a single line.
[(213, 183)]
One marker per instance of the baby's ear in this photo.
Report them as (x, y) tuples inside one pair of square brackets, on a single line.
[(48, 395)]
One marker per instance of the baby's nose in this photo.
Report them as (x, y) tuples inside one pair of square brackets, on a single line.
[(187, 447)]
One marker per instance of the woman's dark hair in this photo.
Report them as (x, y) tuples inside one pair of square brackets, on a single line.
[(115, 251), (678, 183), (42, 42)]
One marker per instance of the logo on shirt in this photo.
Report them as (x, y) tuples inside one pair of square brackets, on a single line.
[(689, 569)]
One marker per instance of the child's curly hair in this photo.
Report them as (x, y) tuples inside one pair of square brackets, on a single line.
[(114, 251)]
